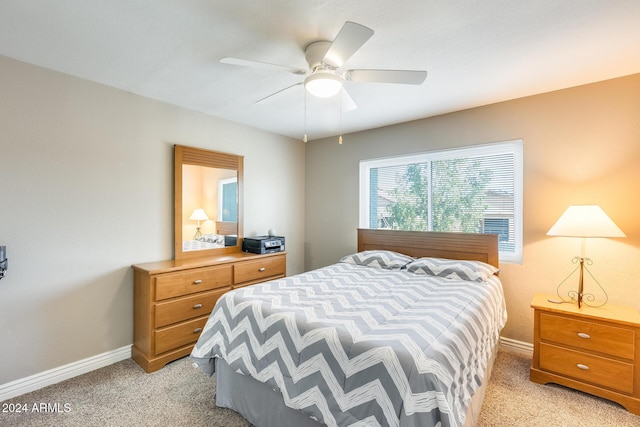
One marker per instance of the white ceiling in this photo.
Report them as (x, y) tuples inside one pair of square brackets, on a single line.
[(477, 52)]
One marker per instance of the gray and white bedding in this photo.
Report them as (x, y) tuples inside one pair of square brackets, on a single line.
[(208, 241), (356, 345)]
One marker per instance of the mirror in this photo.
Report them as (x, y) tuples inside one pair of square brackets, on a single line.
[(208, 202)]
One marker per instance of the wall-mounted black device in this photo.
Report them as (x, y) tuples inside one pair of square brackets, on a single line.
[(4, 262), (263, 244)]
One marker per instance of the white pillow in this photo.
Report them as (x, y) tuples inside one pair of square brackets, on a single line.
[(476, 271), (381, 259)]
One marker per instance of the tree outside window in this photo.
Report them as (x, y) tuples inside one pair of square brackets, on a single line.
[(475, 190)]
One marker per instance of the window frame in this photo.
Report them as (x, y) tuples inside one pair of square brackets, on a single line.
[(514, 147)]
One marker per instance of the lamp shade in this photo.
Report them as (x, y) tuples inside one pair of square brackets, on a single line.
[(199, 215), (585, 221)]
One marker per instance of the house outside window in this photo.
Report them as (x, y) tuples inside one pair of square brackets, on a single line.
[(475, 189)]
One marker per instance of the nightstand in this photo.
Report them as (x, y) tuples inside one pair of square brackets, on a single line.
[(594, 350)]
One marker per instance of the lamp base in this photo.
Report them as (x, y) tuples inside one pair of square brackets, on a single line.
[(580, 296), (198, 233)]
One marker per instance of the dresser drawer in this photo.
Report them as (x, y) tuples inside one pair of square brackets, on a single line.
[(605, 372), (258, 270), (611, 340), (178, 335), (179, 309), (192, 281)]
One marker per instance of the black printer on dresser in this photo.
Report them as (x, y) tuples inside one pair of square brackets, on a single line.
[(263, 244)]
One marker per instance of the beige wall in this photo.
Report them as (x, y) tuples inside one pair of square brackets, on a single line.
[(581, 146), (86, 190)]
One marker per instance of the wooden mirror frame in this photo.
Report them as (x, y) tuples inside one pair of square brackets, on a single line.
[(199, 157)]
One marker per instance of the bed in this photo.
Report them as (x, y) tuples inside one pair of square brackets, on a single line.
[(204, 242), (401, 333), (226, 235)]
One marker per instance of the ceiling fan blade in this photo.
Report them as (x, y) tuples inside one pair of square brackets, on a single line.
[(409, 77), (263, 65), (350, 38), (274, 96), (348, 104)]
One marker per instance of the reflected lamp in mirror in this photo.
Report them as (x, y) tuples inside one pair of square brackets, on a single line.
[(198, 215), (584, 221)]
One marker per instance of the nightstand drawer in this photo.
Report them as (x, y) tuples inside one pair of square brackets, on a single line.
[(605, 372), (611, 340), (192, 281), (178, 335), (259, 270), (177, 310)]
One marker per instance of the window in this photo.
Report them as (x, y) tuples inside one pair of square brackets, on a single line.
[(474, 190), (499, 226), (228, 199)]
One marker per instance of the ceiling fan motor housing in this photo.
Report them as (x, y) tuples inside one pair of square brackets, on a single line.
[(315, 53)]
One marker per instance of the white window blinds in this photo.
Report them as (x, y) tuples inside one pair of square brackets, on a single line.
[(474, 190)]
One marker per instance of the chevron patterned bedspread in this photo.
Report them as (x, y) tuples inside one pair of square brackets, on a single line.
[(358, 346)]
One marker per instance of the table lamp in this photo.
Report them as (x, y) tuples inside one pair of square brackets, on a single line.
[(584, 221), (198, 215)]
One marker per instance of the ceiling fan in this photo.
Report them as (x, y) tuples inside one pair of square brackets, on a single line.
[(325, 77)]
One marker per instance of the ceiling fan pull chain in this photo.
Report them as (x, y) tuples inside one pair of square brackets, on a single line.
[(304, 138), (340, 117)]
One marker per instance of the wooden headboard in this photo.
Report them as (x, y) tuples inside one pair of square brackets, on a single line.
[(226, 228), (477, 247)]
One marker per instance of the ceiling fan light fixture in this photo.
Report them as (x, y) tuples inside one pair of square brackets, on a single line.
[(323, 84)]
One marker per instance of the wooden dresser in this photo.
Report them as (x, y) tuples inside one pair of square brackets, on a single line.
[(173, 299), (595, 350)]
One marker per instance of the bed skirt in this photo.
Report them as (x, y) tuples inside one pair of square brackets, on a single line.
[(264, 407), (257, 402)]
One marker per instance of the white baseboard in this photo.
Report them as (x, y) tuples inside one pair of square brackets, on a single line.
[(517, 346), (61, 373)]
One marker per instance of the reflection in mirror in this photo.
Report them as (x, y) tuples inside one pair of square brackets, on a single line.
[(208, 189), (209, 198)]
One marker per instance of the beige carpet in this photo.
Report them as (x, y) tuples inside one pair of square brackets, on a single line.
[(179, 395), (513, 400)]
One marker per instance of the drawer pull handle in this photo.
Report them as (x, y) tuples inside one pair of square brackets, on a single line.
[(583, 367), (197, 282), (197, 306), (583, 335), (197, 330), (262, 269)]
